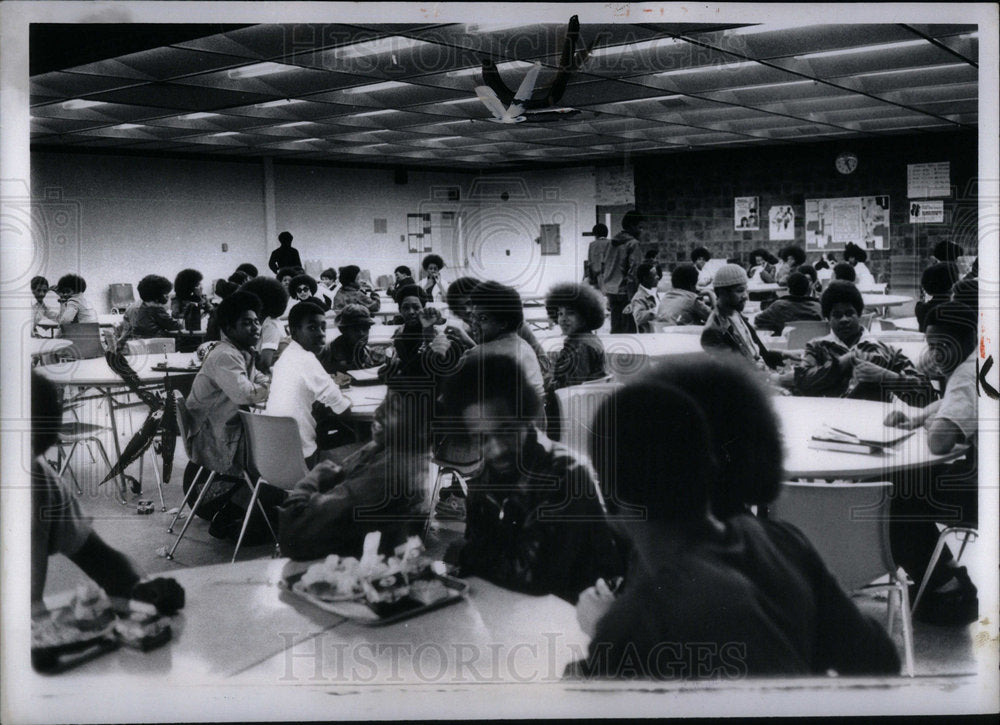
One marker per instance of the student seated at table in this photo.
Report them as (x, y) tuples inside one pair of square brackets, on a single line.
[(684, 305), (303, 287), (73, 306), (352, 292), (149, 318), (223, 288), (300, 387), (762, 266), (381, 487), (844, 272), (237, 278), (579, 311), (248, 269), (856, 256), (705, 597), (274, 300), (727, 330), (699, 258), (644, 302), (798, 304), (410, 364), (226, 383), (946, 494), (189, 301), (350, 350), (402, 276), (848, 363), (327, 286), (936, 281), (815, 285), (39, 310), (534, 520), (285, 275), (432, 265), (791, 257), (59, 526)]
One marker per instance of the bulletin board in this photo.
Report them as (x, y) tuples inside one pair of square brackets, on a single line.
[(832, 223)]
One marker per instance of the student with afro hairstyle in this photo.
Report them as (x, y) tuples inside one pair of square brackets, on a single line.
[(762, 266), (946, 251), (856, 256), (791, 257), (798, 304), (704, 595), (189, 299), (149, 318), (579, 311), (620, 264), (699, 258), (848, 363), (248, 269), (432, 265), (644, 302), (844, 272), (936, 281), (815, 286), (273, 301), (73, 306), (303, 287), (534, 519), (683, 305), (351, 292)]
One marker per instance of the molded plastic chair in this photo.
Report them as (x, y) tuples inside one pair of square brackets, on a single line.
[(121, 296), (183, 425), (848, 524), (275, 451), (577, 406), (73, 433), (86, 339), (968, 533), (150, 346), (802, 331)]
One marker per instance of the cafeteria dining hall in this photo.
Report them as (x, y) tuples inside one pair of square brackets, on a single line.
[(522, 360)]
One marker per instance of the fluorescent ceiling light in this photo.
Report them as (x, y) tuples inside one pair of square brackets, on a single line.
[(767, 28), (510, 65), (226, 133), (920, 69), (78, 103), (970, 36), (457, 101), (127, 126), (475, 28), (864, 49), (702, 68), (305, 140), (374, 113), (785, 84), (196, 116), (373, 47), (656, 43), (447, 138), (280, 102), (387, 85), (652, 98), (260, 69), (293, 124)]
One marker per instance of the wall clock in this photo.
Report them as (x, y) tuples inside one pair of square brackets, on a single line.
[(846, 162)]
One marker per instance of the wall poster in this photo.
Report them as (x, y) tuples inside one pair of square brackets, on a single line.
[(746, 215), (832, 223), (781, 222)]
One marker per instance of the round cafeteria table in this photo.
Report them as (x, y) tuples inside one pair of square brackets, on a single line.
[(882, 301), (628, 355), (802, 417), (906, 323)]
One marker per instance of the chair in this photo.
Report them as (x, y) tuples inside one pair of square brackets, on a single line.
[(866, 320), (274, 449), (384, 281), (184, 427), (73, 433), (577, 406), (802, 331), (848, 524), (121, 296), (86, 339), (968, 533), (887, 324)]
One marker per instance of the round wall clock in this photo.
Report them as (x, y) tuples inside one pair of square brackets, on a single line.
[(846, 162)]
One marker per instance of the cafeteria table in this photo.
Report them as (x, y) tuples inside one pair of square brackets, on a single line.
[(377, 334), (905, 323), (883, 301), (238, 621), (96, 373), (364, 400), (41, 348), (802, 417)]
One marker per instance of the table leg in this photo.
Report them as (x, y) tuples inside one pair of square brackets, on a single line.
[(122, 486)]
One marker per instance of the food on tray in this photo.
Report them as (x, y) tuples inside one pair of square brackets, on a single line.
[(143, 630), (91, 608), (334, 579), (428, 591)]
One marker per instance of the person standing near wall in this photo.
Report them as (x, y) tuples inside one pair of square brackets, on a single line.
[(621, 263), (593, 265), (285, 255)]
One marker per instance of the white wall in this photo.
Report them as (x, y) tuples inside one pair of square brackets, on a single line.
[(131, 216)]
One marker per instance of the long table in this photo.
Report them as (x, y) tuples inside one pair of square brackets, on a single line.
[(630, 354)]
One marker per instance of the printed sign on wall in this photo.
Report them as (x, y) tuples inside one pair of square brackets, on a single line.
[(781, 222), (747, 215), (927, 212)]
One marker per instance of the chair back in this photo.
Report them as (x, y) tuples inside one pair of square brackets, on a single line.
[(802, 331), (866, 320), (183, 423), (847, 523), (384, 281), (578, 404), (121, 296), (274, 448), (151, 346), (86, 339)]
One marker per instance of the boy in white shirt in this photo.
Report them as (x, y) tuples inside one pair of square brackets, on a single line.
[(300, 387)]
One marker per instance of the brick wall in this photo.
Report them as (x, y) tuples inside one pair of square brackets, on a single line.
[(689, 197)]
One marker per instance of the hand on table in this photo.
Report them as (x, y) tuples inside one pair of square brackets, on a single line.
[(165, 594), (594, 602), (899, 419)]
